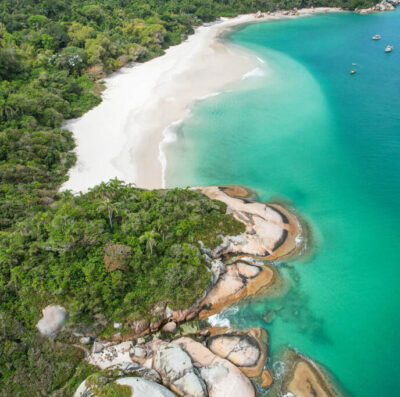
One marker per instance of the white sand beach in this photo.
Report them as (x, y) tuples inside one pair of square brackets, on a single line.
[(121, 137)]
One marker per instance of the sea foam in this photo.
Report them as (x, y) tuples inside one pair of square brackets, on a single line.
[(169, 136), (256, 72), (219, 321), (222, 319)]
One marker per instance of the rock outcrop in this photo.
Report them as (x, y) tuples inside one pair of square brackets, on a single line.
[(139, 387), (176, 369), (271, 231), (220, 365), (304, 378), (54, 318), (223, 379), (240, 280), (174, 366), (245, 349), (170, 327), (266, 378), (140, 327), (106, 355), (382, 6), (144, 388)]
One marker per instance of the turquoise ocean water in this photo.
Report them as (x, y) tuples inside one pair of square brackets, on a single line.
[(302, 130)]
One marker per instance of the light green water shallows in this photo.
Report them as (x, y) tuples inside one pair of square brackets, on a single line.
[(303, 130)]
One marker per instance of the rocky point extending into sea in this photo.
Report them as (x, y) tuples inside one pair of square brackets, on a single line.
[(178, 352)]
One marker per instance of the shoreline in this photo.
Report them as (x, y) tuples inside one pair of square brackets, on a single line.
[(123, 137), (192, 341)]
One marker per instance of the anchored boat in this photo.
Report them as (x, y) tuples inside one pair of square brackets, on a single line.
[(389, 48), (376, 37)]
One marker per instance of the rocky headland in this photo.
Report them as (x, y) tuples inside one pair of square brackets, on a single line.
[(177, 352), (240, 265), (384, 5)]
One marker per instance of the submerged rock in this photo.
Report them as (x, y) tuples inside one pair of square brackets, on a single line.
[(54, 318)]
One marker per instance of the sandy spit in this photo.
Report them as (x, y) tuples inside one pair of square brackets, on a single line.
[(122, 137)]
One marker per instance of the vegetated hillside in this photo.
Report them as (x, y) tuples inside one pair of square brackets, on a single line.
[(106, 252), (109, 255), (50, 53)]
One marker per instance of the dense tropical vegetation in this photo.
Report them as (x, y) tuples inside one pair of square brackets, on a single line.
[(105, 252), (109, 255)]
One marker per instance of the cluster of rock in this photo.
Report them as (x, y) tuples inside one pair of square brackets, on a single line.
[(271, 232), (212, 362), (384, 5), (239, 280), (218, 367), (304, 378)]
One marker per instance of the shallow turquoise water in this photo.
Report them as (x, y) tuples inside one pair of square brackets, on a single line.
[(303, 130)]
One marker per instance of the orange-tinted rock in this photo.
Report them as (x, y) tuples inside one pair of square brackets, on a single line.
[(267, 378), (233, 286)]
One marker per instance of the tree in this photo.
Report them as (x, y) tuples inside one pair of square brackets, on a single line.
[(150, 239)]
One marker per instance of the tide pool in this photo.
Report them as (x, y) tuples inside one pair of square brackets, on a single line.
[(301, 129)]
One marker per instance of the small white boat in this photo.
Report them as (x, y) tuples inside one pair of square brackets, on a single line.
[(376, 37), (389, 48)]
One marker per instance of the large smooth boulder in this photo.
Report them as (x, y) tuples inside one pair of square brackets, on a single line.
[(139, 387), (176, 369), (54, 318), (170, 327), (223, 379), (144, 388), (172, 362), (245, 349)]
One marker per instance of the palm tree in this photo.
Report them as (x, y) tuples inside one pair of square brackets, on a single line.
[(150, 238)]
